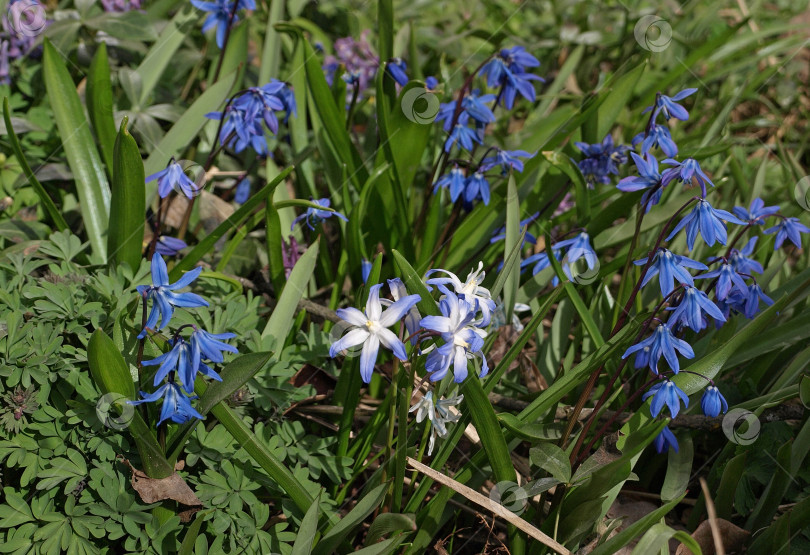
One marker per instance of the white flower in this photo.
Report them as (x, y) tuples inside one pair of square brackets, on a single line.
[(439, 414), (473, 293)]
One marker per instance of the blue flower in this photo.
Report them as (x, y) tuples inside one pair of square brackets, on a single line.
[(684, 172), (241, 130), (648, 180), (669, 106), (601, 160), (371, 329), (431, 83), (753, 294), (473, 106), (454, 181), (478, 297), (706, 220), (666, 393), (506, 159), (209, 346), (314, 216), (365, 269), (660, 343), (476, 187), (396, 68), (579, 247), (464, 136), (172, 177), (657, 136), (669, 267), (665, 440), (727, 278), (163, 296), (242, 191), (789, 228), (262, 102), (690, 312), (176, 406), (740, 261), (412, 317), (713, 402), (462, 339), (756, 213), (508, 71), (169, 246), (220, 14)]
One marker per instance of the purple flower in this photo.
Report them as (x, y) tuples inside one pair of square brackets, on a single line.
[(476, 187), (666, 393), (740, 261), (508, 72), (601, 160), (788, 228), (242, 191), (506, 159), (464, 136), (120, 6), (359, 60), (752, 295), (289, 255)]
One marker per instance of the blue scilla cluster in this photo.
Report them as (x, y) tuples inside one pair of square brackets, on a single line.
[(729, 283), (188, 356), (465, 121)]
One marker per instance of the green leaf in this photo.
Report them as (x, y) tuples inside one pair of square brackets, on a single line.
[(82, 156), (387, 523), (307, 531), (44, 198), (111, 375), (340, 531), (768, 503), (234, 220), (163, 51), (553, 460), (513, 241), (234, 375), (280, 322), (271, 53), (414, 284), (657, 537), (679, 470), (621, 91), (100, 104), (804, 390), (614, 544), (132, 25), (128, 203), (259, 452), (581, 192), (796, 518), (186, 129), (187, 547), (326, 108)]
